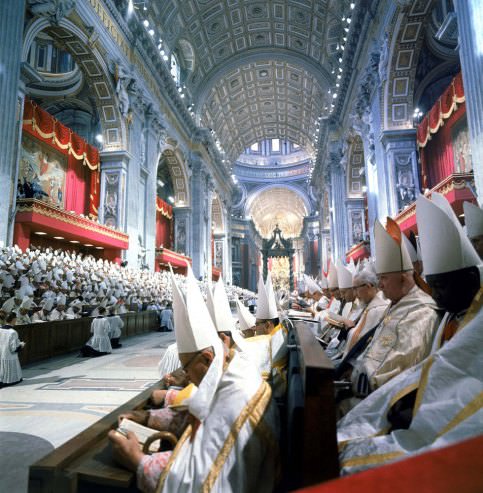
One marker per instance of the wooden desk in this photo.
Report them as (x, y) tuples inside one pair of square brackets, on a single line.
[(85, 463)]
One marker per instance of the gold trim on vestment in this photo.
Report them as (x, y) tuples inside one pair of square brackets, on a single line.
[(253, 410), (343, 443), (371, 459), (469, 316), (402, 393), (423, 381), (472, 311), (471, 408), (186, 434)]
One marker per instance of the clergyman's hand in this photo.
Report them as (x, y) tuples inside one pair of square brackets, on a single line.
[(125, 449)]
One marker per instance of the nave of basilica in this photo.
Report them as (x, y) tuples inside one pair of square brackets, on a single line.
[(240, 246)]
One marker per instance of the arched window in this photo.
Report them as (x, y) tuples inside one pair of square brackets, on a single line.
[(175, 69)]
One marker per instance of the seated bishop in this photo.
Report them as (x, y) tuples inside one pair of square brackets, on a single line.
[(230, 444), (405, 335), (438, 401)]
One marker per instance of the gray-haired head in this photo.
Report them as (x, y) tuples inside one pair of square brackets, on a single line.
[(366, 276)]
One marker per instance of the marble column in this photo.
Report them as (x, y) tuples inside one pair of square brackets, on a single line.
[(338, 211), (152, 131), (198, 220), (401, 164), (470, 27), (11, 41)]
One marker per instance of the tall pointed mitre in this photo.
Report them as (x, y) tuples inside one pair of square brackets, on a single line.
[(272, 300), (266, 305), (312, 286), (332, 281), (194, 330), (391, 253), (246, 319), (209, 300), (410, 248), (224, 320), (323, 282), (473, 220), (193, 325), (344, 275), (444, 245)]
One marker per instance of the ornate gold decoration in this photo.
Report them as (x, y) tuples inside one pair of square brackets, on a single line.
[(47, 210)]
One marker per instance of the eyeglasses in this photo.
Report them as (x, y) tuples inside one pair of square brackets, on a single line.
[(360, 286), (185, 367)]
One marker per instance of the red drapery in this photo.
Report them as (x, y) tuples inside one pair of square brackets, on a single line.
[(164, 224), (435, 145), (82, 179)]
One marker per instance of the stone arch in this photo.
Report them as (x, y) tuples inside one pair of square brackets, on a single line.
[(75, 41), (408, 28), (217, 215), (176, 165), (281, 204)]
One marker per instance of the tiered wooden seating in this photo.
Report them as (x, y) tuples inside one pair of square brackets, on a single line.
[(48, 339)]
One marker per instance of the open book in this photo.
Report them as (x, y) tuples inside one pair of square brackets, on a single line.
[(299, 314), (142, 433)]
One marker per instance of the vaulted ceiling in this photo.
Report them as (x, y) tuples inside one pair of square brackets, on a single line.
[(256, 69), (278, 206)]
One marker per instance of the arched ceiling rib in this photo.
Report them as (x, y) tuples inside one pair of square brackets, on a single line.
[(299, 41)]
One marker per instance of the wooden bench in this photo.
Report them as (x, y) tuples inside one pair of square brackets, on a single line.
[(84, 463), (309, 444), (48, 339), (311, 435)]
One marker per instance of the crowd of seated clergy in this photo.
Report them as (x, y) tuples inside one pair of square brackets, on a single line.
[(43, 284), (405, 344)]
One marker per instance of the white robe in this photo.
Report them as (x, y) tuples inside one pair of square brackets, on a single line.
[(10, 370), (100, 338), (115, 324), (448, 405), (243, 461)]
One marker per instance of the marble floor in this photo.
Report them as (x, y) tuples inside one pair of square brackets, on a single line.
[(60, 397)]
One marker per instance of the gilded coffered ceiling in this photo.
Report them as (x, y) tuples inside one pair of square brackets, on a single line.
[(256, 69)]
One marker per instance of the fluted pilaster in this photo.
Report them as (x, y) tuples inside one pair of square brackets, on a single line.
[(470, 27), (11, 39)]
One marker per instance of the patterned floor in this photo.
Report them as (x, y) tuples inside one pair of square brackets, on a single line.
[(60, 397)]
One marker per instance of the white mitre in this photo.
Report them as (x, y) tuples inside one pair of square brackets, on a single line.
[(473, 220), (195, 331), (323, 282), (246, 319), (444, 245), (410, 248), (391, 253), (193, 325), (332, 281), (209, 300), (344, 276), (224, 321), (311, 285), (266, 304)]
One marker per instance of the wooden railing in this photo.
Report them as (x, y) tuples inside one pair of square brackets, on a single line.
[(48, 339)]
